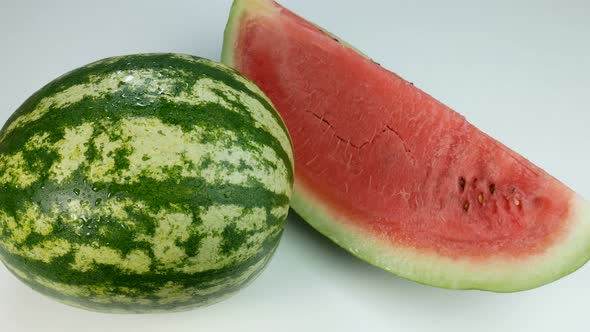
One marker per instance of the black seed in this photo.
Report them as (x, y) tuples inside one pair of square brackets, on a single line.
[(462, 183)]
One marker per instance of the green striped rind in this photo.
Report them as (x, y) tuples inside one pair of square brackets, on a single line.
[(143, 183), (173, 296)]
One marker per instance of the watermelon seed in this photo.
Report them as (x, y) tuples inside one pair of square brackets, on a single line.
[(480, 199), (462, 183), (492, 188), (517, 202), (466, 206)]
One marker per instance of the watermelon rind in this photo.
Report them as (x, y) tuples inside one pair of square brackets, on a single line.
[(503, 274), (143, 183)]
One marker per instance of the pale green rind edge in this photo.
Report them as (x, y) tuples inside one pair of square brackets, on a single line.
[(229, 34), (238, 8), (500, 274)]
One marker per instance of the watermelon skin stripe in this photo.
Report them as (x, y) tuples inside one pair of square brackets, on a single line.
[(219, 121), (125, 102), (143, 183), (103, 149), (168, 298), (126, 225), (184, 69)]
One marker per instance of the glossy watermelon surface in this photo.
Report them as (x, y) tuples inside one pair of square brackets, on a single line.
[(140, 183), (396, 177)]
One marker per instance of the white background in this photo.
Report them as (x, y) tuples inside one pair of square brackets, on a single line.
[(520, 70)]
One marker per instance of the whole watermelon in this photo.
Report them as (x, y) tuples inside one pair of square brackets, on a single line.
[(142, 183)]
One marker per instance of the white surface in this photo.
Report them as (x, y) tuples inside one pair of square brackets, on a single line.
[(520, 70)]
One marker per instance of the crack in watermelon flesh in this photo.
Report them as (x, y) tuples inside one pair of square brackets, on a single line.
[(380, 161)]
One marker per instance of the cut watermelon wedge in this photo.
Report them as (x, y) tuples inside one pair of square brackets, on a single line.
[(396, 177)]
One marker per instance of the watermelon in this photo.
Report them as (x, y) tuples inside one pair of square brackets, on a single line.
[(397, 178), (142, 183)]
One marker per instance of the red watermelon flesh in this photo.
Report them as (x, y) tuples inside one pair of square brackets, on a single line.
[(396, 177)]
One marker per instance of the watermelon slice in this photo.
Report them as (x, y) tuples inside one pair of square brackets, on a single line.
[(396, 177)]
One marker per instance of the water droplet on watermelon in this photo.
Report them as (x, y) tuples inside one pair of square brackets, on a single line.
[(77, 191), (97, 202)]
